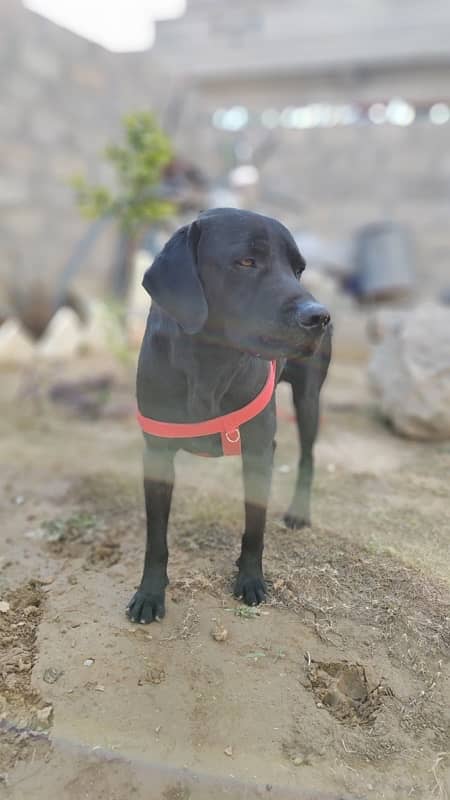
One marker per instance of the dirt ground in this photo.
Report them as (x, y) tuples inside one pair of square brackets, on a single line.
[(338, 687)]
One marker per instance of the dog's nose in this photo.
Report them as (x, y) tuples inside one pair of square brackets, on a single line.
[(312, 315)]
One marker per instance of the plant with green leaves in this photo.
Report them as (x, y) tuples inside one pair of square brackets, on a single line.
[(136, 201)]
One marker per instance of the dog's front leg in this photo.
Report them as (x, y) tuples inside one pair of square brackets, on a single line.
[(148, 603), (257, 472)]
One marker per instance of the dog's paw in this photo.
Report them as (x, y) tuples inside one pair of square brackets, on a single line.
[(251, 588), (295, 522), (146, 607)]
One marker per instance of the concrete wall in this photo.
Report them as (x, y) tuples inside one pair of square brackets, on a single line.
[(61, 100)]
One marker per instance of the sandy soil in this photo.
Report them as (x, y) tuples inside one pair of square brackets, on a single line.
[(339, 687)]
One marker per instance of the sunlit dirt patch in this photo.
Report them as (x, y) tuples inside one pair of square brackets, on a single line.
[(80, 534), (107, 493)]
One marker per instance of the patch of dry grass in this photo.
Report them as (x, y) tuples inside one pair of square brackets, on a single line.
[(334, 580)]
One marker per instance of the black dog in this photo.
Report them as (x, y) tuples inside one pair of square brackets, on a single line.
[(226, 301)]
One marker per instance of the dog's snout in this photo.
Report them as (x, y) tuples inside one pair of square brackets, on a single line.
[(312, 315)]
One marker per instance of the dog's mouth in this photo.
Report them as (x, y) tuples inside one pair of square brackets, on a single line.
[(272, 347), (276, 342)]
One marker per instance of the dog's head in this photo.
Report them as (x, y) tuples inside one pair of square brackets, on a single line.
[(236, 275)]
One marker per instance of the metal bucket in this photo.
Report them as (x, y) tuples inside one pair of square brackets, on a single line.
[(383, 260)]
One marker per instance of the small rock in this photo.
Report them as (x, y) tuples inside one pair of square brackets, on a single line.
[(4, 606), (37, 534), (51, 675), (62, 337), (43, 714), (228, 751), (16, 346), (157, 730), (298, 761), (19, 500), (29, 611), (89, 662), (99, 688), (284, 468), (154, 675), (102, 327), (219, 633)]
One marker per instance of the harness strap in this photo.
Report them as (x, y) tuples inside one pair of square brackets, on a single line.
[(227, 425)]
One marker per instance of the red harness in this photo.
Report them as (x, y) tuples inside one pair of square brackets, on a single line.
[(227, 426)]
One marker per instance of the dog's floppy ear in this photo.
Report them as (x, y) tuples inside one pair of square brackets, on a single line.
[(173, 282)]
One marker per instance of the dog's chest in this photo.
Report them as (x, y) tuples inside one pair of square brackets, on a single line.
[(206, 446)]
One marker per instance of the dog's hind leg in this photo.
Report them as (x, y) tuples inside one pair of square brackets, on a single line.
[(306, 379), (306, 403)]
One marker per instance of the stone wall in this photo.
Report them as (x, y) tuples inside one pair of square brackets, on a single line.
[(61, 101), (340, 179)]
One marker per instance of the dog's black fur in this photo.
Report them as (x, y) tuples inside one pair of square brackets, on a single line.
[(226, 300)]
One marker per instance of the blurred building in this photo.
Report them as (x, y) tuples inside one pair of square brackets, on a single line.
[(344, 109), (261, 39), (342, 112)]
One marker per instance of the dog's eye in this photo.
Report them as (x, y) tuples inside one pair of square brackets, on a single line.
[(246, 262)]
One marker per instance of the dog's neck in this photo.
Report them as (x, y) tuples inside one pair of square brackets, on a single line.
[(212, 372)]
